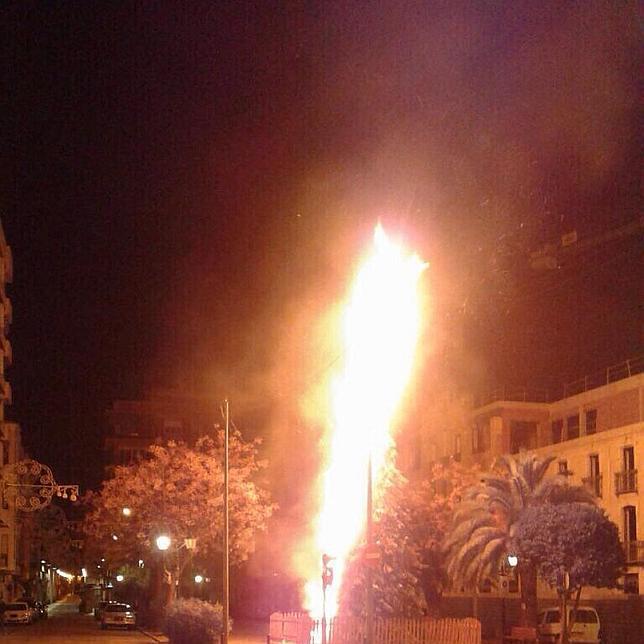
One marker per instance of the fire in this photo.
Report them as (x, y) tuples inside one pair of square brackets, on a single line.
[(380, 330)]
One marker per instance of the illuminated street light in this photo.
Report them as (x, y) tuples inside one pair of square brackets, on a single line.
[(115, 537), (513, 561), (198, 579), (163, 542), (126, 512), (120, 578)]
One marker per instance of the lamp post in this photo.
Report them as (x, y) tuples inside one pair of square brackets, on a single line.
[(369, 639), (226, 562), (163, 543)]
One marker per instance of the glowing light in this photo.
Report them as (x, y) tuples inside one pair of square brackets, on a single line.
[(115, 537), (198, 579), (163, 542), (120, 578), (513, 561), (380, 330), (83, 572), (126, 512), (65, 575)]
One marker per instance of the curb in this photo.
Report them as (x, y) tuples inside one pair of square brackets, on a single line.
[(156, 637)]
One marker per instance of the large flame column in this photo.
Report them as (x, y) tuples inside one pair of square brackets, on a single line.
[(380, 330)]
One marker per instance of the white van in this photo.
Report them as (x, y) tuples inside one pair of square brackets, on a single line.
[(585, 630)]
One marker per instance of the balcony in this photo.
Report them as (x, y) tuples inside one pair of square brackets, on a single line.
[(594, 484), (634, 552), (626, 481)]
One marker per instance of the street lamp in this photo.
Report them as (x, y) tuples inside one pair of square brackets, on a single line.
[(126, 512), (198, 579), (163, 542)]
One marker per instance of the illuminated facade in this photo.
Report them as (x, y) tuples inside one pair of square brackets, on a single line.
[(10, 441), (595, 431)]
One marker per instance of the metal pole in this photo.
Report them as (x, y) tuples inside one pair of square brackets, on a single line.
[(369, 639), (226, 593)]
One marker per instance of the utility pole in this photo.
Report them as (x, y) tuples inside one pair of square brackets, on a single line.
[(369, 639), (226, 593)]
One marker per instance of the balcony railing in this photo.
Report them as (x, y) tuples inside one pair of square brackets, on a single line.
[(626, 481), (594, 484), (634, 551)]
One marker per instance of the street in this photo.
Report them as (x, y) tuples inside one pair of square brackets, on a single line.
[(66, 625)]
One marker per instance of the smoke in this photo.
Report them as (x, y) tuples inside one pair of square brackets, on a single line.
[(478, 130)]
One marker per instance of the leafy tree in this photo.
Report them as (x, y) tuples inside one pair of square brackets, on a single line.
[(178, 490), (484, 523), (572, 545), (409, 528)]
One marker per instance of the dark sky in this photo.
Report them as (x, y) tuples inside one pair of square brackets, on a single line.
[(180, 177)]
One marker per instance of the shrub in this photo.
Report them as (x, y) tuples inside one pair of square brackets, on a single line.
[(193, 621)]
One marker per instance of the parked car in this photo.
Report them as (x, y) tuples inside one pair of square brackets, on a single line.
[(118, 615), (585, 630), (38, 609), (18, 613), (98, 611)]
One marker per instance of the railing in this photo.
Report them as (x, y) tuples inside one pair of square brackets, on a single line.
[(625, 369), (626, 481), (634, 551), (594, 484), (515, 394)]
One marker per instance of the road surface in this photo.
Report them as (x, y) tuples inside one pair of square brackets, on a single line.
[(65, 625)]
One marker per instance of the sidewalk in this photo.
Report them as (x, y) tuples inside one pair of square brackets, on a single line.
[(243, 633)]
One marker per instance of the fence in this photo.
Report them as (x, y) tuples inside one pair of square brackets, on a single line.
[(392, 630)]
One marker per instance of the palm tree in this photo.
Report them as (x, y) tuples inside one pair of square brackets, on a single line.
[(484, 522)]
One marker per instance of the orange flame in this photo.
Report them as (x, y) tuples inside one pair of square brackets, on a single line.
[(380, 330)]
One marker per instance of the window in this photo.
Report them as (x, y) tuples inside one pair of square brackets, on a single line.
[(523, 435), (457, 448), (591, 421), (4, 551), (557, 427), (594, 479), (572, 426), (480, 438), (628, 455), (630, 523), (563, 467), (631, 583)]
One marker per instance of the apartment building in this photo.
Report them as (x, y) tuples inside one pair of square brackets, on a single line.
[(161, 415), (11, 561), (595, 431)]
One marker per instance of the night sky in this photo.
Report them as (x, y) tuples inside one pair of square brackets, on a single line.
[(183, 180)]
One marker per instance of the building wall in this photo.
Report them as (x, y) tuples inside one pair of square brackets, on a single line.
[(134, 425), (619, 425), (10, 439)]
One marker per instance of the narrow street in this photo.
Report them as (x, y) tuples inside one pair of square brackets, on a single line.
[(65, 625)]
